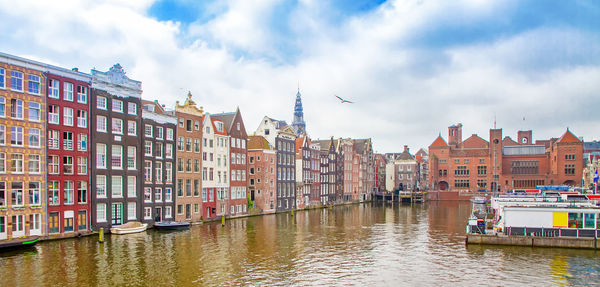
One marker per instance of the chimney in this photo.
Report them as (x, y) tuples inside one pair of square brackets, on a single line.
[(405, 148)]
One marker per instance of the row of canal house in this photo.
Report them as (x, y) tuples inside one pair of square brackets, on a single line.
[(79, 152)]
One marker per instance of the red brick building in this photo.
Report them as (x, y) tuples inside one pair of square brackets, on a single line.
[(503, 164), (261, 176)]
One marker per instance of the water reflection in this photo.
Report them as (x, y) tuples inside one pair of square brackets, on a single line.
[(367, 244)]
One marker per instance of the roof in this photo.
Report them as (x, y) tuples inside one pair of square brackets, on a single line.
[(405, 155), (213, 120), (278, 124), (474, 141), (439, 142), (507, 141), (324, 144), (360, 145), (158, 108), (258, 142), (226, 118), (568, 137), (299, 143), (593, 145)]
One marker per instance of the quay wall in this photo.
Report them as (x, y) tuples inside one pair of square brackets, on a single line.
[(533, 241)]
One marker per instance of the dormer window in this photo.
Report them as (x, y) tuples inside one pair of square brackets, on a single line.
[(149, 108), (219, 126)]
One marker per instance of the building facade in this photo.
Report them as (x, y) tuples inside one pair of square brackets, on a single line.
[(68, 151), (188, 202), (159, 162), (503, 164), (116, 194), (328, 165), (401, 171), (23, 204), (303, 172), (261, 175)]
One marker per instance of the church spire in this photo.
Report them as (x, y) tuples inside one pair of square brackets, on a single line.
[(298, 122)]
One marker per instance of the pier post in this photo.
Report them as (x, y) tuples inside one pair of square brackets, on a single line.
[(222, 220), (292, 212), (101, 235)]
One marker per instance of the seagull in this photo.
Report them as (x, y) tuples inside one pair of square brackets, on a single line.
[(344, 101)]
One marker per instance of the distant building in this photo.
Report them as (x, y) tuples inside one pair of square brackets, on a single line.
[(380, 163), (423, 169), (401, 172), (502, 163), (298, 123)]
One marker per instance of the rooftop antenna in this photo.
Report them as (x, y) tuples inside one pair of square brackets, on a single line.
[(494, 120)]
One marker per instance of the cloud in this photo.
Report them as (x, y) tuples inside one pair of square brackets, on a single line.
[(413, 67)]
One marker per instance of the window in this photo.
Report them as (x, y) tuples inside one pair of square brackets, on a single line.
[(53, 164), (82, 94), (16, 109), (169, 151), (159, 150), (2, 134), (147, 194), (158, 168), (179, 164), (82, 119), (34, 163), (2, 107), (131, 157), (68, 91), (117, 106), (188, 144), (524, 166), (117, 157), (82, 165), (148, 171), (53, 86), (147, 212), (180, 144), (461, 183), (148, 131), (35, 114), (68, 167), (569, 157), (196, 125), (188, 125), (2, 162), (131, 211), (101, 124), (34, 137), (101, 103), (100, 186), (16, 136), (132, 108), (117, 186), (148, 148), (16, 81), (17, 193), (69, 192), (16, 163), (196, 165), (196, 145), (34, 193), (2, 78), (53, 114), (168, 194), (169, 171), (68, 143), (53, 192), (159, 133), (2, 194), (101, 212), (117, 126), (168, 212), (481, 170), (158, 194), (169, 134), (100, 155), (569, 169), (68, 117), (461, 171), (131, 128), (131, 186), (82, 142)]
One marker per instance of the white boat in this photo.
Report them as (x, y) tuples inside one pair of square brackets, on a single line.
[(479, 200), (129, 227)]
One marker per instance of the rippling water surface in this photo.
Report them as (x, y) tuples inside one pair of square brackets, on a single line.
[(366, 245)]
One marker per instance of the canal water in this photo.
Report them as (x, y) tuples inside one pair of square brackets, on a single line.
[(371, 244)]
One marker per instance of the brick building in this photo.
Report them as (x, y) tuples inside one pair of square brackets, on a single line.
[(328, 166), (261, 175), (380, 172), (303, 171), (159, 162), (189, 159), (68, 151), (22, 147), (315, 171), (502, 163)]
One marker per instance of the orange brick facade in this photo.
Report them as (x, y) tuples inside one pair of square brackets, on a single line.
[(503, 164)]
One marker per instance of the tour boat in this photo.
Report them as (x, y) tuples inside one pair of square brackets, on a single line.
[(18, 243), (479, 200), (129, 227), (172, 225)]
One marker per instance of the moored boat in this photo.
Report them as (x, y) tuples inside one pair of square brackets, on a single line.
[(18, 243), (479, 200), (172, 225), (129, 227)]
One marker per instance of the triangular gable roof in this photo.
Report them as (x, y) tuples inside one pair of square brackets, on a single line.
[(300, 143), (474, 141), (226, 118), (439, 142), (568, 137), (405, 155), (258, 142), (507, 141)]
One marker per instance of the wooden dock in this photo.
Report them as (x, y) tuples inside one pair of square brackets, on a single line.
[(402, 196)]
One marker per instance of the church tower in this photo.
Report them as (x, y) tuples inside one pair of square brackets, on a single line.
[(298, 123)]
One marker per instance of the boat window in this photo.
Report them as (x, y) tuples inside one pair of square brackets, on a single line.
[(589, 220), (575, 220)]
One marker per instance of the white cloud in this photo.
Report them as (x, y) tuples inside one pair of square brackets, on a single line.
[(404, 93)]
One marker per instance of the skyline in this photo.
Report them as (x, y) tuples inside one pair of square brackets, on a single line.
[(466, 61)]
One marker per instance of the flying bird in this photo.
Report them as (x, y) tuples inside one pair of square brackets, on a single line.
[(343, 101)]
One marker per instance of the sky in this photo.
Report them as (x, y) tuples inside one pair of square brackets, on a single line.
[(412, 67)]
